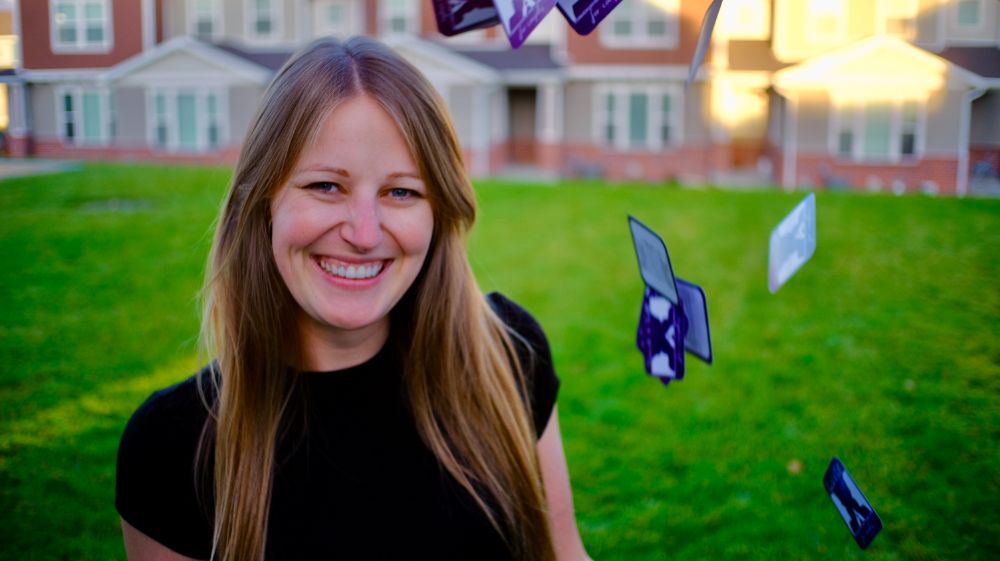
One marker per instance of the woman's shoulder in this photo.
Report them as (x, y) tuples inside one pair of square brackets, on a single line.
[(177, 403), (517, 318)]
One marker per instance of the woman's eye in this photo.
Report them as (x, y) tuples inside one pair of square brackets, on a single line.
[(402, 193), (324, 186)]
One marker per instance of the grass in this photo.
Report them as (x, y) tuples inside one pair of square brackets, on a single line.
[(882, 350)]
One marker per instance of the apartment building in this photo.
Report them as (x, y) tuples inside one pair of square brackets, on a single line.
[(891, 94)]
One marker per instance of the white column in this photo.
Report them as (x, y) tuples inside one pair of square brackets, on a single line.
[(549, 113), (17, 105), (964, 137), (480, 141), (149, 24)]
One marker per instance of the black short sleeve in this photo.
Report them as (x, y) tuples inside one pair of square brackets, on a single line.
[(543, 384), (155, 488)]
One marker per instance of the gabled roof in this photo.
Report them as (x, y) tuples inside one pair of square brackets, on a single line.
[(984, 61), (878, 61), (441, 64), (527, 57), (272, 60), (226, 61)]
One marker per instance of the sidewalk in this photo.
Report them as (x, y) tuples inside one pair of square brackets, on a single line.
[(15, 167)]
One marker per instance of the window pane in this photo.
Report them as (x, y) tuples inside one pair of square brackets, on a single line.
[(878, 121), (93, 11), (638, 119), (67, 35), (68, 103), (213, 105), (187, 121), (263, 27), (622, 28), (161, 106), (203, 27), (609, 128), (845, 143), (95, 34), (65, 14), (91, 116), (908, 144), (968, 12), (665, 116), (335, 14)]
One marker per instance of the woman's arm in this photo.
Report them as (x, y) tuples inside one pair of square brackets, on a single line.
[(140, 547), (555, 476)]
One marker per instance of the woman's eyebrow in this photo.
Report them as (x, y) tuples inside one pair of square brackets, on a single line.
[(326, 169), (404, 174)]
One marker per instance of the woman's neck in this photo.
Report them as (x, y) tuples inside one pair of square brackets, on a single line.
[(326, 349)]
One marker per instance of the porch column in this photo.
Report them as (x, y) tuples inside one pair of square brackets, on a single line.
[(549, 125), (19, 128)]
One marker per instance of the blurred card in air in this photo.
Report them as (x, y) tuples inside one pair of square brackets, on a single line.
[(521, 17), (861, 519), (662, 329), (458, 16), (698, 340), (792, 243), (584, 15), (654, 262)]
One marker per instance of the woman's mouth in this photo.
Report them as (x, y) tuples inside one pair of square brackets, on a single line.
[(352, 271)]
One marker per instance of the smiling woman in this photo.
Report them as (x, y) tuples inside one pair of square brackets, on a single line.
[(367, 400)]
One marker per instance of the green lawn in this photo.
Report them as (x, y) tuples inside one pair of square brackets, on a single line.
[(882, 350)]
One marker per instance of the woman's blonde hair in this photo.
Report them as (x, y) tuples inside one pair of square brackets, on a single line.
[(460, 374)]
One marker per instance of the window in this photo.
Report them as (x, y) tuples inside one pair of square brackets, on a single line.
[(85, 116), (968, 12), (205, 18), (638, 117), (399, 16), (338, 18), (745, 19), (81, 25), (263, 18), (899, 18), (642, 24), (826, 21), (187, 119), (878, 131)]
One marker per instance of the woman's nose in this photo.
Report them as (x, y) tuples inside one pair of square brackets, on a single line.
[(363, 227)]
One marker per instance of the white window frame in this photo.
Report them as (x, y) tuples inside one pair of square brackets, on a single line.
[(655, 119), (277, 21), (835, 8), (354, 23), (76, 91), (216, 16), (81, 45), (639, 38), (387, 11), (956, 21), (857, 127), (884, 14), (201, 94)]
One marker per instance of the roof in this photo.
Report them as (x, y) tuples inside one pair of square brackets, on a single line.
[(527, 57), (272, 60), (984, 61)]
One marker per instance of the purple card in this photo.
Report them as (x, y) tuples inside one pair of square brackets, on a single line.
[(584, 15), (459, 16), (521, 17), (662, 329)]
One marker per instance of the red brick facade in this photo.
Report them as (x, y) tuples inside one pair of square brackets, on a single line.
[(943, 171), (126, 33)]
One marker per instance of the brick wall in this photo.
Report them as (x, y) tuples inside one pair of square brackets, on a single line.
[(811, 169)]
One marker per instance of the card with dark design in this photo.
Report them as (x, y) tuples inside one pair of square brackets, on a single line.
[(698, 340), (660, 337), (520, 17), (861, 519), (792, 243), (704, 37), (654, 261), (458, 16), (584, 15)]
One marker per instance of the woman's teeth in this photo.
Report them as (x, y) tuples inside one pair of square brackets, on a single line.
[(352, 271)]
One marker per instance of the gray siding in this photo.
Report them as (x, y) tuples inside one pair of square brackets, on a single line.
[(43, 107), (579, 112), (943, 120), (696, 120), (986, 119), (130, 118), (460, 99), (243, 101), (813, 115)]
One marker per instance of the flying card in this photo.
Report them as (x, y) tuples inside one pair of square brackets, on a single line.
[(793, 242), (654, 262), (861, 519), (704, 37), (458, 16), (698, 340), (660, 337), (521, 17), (584, 15)]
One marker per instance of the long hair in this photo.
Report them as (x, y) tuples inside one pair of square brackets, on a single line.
[(461, 375)]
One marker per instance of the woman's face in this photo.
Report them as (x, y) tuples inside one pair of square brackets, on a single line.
[(353, 225)]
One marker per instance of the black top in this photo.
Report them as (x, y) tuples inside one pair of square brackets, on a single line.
[(360, 485)]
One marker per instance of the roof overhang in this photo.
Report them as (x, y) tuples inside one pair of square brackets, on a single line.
[(227, 64)]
